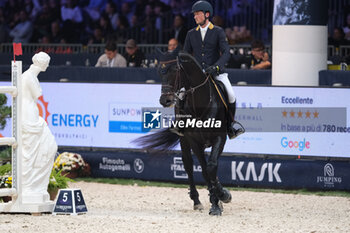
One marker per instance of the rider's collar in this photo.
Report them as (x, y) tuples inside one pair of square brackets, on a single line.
[(210, 26)]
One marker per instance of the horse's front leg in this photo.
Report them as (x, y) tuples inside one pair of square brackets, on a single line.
[(188, 164), (216, 191)]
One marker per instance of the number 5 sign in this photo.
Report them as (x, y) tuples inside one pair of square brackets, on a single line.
[(70, 201)]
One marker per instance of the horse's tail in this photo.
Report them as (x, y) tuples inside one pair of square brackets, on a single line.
[(162, 140)]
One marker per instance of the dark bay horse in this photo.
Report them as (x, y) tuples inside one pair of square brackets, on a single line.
[(183, 76)]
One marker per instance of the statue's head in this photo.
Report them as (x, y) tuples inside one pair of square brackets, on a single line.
[(41, 60)]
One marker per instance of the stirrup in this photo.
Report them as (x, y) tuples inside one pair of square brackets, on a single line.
[(232, 132)]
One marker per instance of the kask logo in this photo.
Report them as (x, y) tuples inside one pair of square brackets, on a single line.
[(43, 108), (242, 171)]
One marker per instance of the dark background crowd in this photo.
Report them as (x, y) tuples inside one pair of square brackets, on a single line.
[(146, 21)]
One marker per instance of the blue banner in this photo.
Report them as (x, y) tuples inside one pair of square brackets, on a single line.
[(233, 170)]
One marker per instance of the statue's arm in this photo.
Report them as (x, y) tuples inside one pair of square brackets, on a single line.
[(33, 86)]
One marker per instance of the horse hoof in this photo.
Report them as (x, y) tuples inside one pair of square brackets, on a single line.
[(221, 206), (198, 207), (215, 211), (226, 197)]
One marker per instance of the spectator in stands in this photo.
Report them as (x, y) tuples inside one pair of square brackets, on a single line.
[(238, 35), (179, 30), (111, 58), (42, 23), (122, 22), (93, 10), (71, 11), (346, 29), (126, 12), (63, 49), (55, 10), (172, 45), (72, 19), (11, 13), (33, 8), (133, 55), (149, 33), (4, 30), (338, 38), (97, 37), (111, 11), (260, 58), (218, 21), (45, 40), (22, 32), (105, 25), (56, 34)]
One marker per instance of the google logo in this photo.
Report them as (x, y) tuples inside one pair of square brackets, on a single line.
[(300, 145)]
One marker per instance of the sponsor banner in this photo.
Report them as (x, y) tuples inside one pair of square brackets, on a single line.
[(113, 115), (233, 171)]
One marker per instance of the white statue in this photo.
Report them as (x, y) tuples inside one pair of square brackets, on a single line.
[(39, 145)]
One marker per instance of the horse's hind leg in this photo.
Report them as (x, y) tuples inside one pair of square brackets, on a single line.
[(188, 164)]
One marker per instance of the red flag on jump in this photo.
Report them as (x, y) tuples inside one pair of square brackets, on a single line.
[(17, 50)]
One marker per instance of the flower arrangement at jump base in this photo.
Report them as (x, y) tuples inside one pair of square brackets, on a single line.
[(5, 180), (57, 181), (72, 164), (5, 176)]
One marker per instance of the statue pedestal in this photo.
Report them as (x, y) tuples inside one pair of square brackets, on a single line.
[(35, 198), (15, 206)]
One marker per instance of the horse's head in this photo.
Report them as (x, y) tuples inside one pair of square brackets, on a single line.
[(169, 74)]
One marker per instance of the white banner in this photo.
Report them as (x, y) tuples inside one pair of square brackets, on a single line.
[(110, 115)]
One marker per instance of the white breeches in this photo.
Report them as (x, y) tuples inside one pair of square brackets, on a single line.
[(224, 79)]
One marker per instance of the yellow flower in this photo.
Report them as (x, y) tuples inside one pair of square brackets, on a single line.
[(9, 180)]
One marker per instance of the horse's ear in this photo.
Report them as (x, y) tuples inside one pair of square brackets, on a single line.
[(159, 52), (159, 55), (176, 51)]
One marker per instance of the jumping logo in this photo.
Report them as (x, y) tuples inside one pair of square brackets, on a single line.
[(152, 119), (329, 179), (43, 110)]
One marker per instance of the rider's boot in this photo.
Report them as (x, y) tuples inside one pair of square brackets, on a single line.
[(231, 131)]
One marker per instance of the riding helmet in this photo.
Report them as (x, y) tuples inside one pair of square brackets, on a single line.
[(202, 6)]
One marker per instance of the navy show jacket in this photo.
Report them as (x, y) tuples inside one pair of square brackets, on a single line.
[(213, 50)]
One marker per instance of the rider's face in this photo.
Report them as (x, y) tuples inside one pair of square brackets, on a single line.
[(199, 17)]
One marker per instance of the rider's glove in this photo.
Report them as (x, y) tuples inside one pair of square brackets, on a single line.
[(212, 70)]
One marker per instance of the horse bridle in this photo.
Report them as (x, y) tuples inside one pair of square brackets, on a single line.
[(168, 86), (177, 79)]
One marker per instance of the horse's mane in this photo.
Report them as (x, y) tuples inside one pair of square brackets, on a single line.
[(190, 64)]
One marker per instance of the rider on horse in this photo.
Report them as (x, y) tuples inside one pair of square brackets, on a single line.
[(208, 44)]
